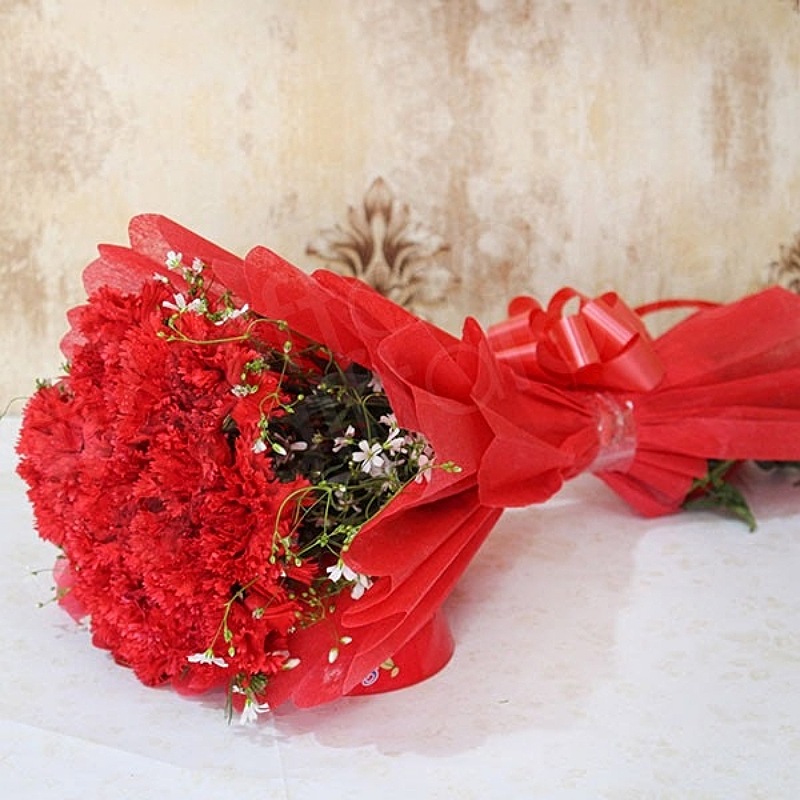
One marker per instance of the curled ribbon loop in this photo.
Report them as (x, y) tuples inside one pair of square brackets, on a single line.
[(603, 345)]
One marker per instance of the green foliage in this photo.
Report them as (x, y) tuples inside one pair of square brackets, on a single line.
[(715, 491)]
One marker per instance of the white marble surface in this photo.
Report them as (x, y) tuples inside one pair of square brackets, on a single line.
[(599, 656)]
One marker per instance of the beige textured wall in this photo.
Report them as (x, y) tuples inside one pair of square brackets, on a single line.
[(646, 145)]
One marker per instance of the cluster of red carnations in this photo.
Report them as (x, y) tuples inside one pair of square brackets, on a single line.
[(153, 467)]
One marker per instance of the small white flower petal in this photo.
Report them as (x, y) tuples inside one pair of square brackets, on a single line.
[(173, 259), (335, 572), (251, 711), (207, 657)]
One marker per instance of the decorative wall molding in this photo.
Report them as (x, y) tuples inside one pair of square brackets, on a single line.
[(387, 248)]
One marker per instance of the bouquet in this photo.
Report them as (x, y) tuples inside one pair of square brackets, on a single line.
[(270, 481)]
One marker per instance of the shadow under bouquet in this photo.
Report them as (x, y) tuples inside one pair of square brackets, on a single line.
[(270, 481)]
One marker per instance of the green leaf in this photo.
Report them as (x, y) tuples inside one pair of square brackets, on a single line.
[(715, 493)]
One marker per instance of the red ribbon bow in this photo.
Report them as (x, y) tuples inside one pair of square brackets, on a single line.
[(603, 345)]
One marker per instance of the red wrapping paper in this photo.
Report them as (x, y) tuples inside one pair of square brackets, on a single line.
[(513, 411)]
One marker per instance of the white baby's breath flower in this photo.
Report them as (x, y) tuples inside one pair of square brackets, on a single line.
[(344, 441), (207, 657), (178, 304), (232, 313), (369, 457), (395, 441), (174, 260), (363, 582), (251, 711), (341, 572), (259, 446), (338, 571), (290, 662), (157, 276), (425, 467), (196, 306), (375, 383), (197, 266)]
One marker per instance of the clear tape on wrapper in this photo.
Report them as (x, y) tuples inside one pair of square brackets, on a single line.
[(616, 433)]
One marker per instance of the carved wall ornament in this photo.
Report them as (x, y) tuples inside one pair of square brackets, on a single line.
[(786, 270), (386, 248)]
